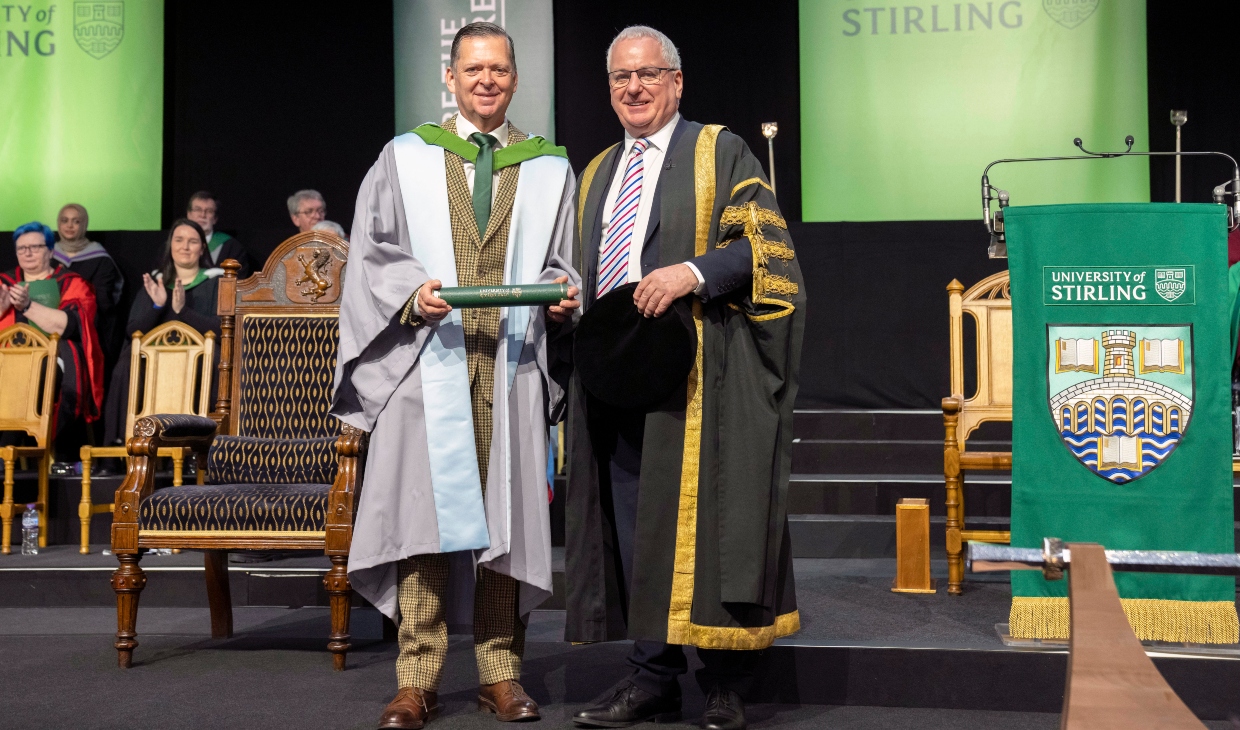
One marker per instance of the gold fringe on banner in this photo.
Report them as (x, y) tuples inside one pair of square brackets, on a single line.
[(1152, 619)]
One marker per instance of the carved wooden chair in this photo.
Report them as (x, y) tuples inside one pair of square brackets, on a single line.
[(989, 303), (281, 473), (169, 372), (27, 404)]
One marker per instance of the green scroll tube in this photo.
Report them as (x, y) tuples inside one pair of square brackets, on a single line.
[(465, 297)]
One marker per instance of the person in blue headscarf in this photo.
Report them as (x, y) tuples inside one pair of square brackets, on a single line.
[(67, 310)]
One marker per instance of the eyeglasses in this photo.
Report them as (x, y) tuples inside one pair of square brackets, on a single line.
[(202, 211), (313, 211), (31, 249), (649, 76)]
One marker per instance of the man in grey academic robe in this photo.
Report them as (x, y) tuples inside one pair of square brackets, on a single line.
[(458, 403)]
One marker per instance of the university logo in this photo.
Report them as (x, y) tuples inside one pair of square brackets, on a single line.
[(1124, 424), (1070, 13), (1170, 283), (98, 27)]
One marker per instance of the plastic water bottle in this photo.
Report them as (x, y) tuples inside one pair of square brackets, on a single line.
[(30, 531)]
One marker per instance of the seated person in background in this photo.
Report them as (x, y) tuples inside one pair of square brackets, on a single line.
[(332, 226), (66, 309), (203, 209), (306, 208), (92, 262), (183, 288)]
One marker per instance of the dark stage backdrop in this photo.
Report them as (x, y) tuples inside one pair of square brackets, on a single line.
[(265, 98)]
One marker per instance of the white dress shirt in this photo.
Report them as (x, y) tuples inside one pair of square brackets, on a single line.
[(464, 128), (652, 161)]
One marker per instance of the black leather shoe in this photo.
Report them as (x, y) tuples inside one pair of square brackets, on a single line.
[(724, 710), (627, 705)]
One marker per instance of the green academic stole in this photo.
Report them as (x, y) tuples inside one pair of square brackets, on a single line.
[(201, 277), (513, 154), (1121, 424), (217, 239)]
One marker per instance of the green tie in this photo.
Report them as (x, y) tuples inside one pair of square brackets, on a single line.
[(482, 180)]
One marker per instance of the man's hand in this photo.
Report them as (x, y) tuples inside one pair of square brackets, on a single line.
[(655, 293), (430, 306), (562, 311), (19, 297)]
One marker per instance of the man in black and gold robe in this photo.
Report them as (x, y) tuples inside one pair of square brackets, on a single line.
[(676, 516)]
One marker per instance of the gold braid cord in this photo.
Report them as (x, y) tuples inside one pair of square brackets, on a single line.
[(753, 218)]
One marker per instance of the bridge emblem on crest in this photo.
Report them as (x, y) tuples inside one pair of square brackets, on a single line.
[(1126, 423)]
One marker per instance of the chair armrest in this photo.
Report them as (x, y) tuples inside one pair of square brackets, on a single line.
[(180, 429), (151, 433), (347, 489)]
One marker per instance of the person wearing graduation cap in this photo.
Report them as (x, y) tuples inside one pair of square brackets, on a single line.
[(680, 418)]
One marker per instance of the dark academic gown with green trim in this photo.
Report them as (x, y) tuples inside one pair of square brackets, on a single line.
[(712, 563)]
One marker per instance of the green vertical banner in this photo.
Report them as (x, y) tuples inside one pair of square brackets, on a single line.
[(1121, 426), (83, 111), (423, 32)]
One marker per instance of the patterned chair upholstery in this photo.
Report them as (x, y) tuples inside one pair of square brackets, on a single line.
[(280, 472)]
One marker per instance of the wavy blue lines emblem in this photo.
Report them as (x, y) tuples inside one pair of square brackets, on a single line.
[(1126, 423)]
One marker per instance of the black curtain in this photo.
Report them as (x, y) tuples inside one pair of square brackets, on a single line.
[(265, 98)]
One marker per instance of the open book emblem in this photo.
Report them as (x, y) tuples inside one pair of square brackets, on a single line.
[(1120, 396)]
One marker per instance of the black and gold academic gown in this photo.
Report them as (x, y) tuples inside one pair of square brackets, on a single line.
[(712, 565)]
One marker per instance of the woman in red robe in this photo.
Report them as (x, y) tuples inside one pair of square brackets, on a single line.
[(73, 318)]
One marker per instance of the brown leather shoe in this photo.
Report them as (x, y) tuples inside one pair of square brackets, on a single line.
[(508, 701), (411, 710)]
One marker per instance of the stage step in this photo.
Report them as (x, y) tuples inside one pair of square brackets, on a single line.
[(986, 495), (843, 441), (866, 536)]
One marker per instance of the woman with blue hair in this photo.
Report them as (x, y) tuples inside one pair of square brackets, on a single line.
[(68, 310)]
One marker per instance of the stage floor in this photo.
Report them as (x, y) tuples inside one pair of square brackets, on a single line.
[(865, 658)]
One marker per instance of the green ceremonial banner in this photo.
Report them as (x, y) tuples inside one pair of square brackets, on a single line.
[(81, 118), (423, 32), (902, 106), (1121, 426)]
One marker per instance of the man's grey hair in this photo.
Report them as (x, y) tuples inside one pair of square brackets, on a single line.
[(482, 30), (333, 226), (671, 56), (294, 200)]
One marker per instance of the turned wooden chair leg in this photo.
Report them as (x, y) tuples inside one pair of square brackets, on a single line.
[(45, 471), (6, 509), (219, 593), (178, 467), (128, 581), (336, 581), (955, 511), (85, 511)]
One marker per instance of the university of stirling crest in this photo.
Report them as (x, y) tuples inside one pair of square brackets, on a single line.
[(98, 26), (1120, 396)]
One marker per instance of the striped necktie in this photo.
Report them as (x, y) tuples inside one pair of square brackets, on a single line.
[(613, 265)]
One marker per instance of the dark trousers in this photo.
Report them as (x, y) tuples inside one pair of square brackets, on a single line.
[(657, 666)]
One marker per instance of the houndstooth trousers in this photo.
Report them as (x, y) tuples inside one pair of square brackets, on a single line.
[(499, 634)]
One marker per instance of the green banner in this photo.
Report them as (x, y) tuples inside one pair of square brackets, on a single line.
[(423, 32), (1121, 425), (902, 106), (82, 116)]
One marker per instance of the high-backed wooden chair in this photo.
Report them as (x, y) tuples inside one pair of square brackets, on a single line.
[(281, 473), (989, 303), (169, 372), (27, 404)]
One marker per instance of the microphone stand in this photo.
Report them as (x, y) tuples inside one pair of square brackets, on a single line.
[(994, 223)]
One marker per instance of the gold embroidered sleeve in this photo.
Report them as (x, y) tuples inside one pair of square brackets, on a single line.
[(753, 218)]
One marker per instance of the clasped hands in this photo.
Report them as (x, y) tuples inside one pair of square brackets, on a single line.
[(158, 293), (16, 297), (433, 309)]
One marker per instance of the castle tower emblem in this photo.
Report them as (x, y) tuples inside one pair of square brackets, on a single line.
[(1127, 422)]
